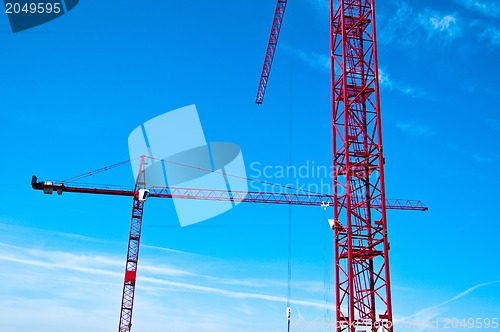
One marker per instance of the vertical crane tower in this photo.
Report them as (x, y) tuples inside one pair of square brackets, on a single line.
[(362, 279), (362, 282), (140, 195)]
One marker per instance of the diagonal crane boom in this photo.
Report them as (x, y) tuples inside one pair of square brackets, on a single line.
[(271, 49)]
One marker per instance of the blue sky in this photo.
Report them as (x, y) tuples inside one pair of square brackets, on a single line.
[(73, 90)]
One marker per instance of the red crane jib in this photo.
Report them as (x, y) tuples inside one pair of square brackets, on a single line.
[(271, 49), (308, 199)]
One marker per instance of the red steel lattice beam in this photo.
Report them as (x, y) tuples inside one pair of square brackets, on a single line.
[(363, 296), (127, 305), (271, 49), (221, 195)]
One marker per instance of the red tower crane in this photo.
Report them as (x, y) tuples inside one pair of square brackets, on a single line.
[(362, 278), (141, 192)]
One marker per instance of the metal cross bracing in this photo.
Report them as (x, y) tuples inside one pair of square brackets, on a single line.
[(307, 199), (134, 240), (363, 293), (140, 192)]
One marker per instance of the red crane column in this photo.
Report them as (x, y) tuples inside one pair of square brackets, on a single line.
[(363, 296), (140, 195)]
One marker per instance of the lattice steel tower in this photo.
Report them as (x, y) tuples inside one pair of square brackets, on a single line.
[(363, 293)]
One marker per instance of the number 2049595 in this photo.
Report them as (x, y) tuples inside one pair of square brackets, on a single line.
[(33, 8), (471, 323)]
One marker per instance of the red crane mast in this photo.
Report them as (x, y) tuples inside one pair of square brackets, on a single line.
[(363, 292), (134, 240)]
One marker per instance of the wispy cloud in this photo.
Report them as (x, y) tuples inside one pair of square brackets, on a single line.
[(491, 34), (397, 25), (486, 8), (440, 25), (404, 25), (314, 60), (321, 5), (387, 82), (182, 286), (31, 230), (486, 25), (415, 129), (62, 279), (28, 231), (446, 23), (431, 312), (468, 155), (175, 251)]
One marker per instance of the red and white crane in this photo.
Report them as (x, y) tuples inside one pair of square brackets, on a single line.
[(140, 193)]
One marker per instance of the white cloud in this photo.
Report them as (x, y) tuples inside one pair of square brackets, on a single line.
[(443, 24), (440, 25), (386, 82), (78, 285), (403, 25), (384, 79)]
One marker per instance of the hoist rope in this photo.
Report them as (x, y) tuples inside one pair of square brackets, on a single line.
[(290, 162)]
